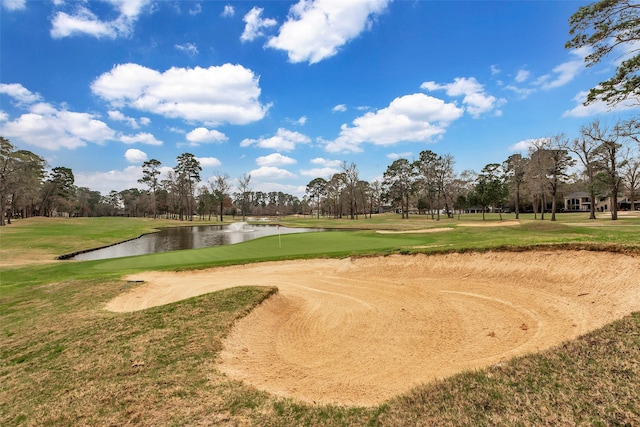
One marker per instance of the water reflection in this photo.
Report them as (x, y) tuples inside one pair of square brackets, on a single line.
[(202, 236)]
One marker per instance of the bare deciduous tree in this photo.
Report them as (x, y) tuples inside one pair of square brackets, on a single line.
[(243, 187)]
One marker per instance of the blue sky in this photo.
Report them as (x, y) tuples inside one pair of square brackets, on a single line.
[(287, 91)]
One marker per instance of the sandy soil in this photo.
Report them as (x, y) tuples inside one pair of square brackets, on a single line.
[(360, 331)]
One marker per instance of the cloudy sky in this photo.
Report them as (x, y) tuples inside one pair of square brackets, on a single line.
[(286, 90)]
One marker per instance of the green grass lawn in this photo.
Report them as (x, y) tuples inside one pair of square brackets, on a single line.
[(66, 361)]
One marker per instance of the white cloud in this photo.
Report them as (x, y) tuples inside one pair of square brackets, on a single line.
[(189, 48), (267, 187), (127, 82), (254, 24), (316, 29), (396, 156), (209, 162), (411, 118), (495, 70), (12, 5), (622, 52), (283, 140), (84, 21), (298, 122), (104, 182), (326, 162), (203, 135), (3, 116), (271, 172), (522, 76), (523, 145), (133, 155), (561, 75), (228, 11), (19, 93), (215, 95), (326, 172), (476, 100), (565, 72), (129, 8), (275, 159), (46, 127), (142, 138), (598, 107), (195, 10), (119, 117), (340, 108), (520, 91)]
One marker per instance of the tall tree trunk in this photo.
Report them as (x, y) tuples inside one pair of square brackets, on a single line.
[(2, 210), (553, 207), (517, 201), (592, 208)]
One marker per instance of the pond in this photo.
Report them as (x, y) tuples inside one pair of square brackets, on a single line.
[(192, 237)]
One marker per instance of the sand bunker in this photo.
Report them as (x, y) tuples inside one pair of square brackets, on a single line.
[(360, 331)]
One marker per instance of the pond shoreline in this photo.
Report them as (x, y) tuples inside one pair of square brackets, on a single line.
[(168, 239)]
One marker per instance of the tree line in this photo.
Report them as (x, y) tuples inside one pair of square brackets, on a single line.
[(29, 188), (602, 162)]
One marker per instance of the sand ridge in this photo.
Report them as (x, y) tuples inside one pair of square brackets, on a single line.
[(360, 331)]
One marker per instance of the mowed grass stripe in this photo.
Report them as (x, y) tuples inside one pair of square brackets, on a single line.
[(266, 249)]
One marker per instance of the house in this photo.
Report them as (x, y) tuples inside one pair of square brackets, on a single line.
[(577, 202), (581, 202)]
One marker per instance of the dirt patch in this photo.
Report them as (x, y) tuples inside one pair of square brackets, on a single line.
[(358, 332), (20, 258)]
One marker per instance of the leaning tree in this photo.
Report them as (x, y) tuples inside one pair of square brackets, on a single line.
[(610, 28)]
